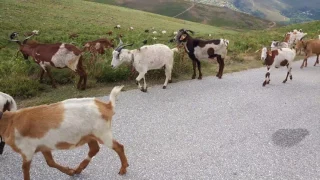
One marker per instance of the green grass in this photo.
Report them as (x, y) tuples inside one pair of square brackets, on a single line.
[(57, 19)]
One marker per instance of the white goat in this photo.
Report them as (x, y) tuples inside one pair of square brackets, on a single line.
[(277, 58), (131, 28), (154, 32), (164, 32), (294, 37), (60, 126), (117, 26), (277, 45), (7, 103), (146, 58)]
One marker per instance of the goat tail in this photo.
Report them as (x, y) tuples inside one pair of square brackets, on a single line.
[(175, 49), (114, 93)]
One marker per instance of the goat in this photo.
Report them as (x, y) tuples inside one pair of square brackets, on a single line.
[(97, 47), (154, 32), (277, 58), (131, 28), (146, 31), (309, 47), (294, 37), (164, 32), (117, 26), (60, 126), (277, 45), (110, 33), (145, 58), (7, 103), (59, 55), (200, 49)]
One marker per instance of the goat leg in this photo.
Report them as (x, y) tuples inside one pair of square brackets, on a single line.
[(51, 163), (194, 69), (93, 150), (317, 61), (120, 151), (41, 75), (50, 76), (199, 68), (267, 80)]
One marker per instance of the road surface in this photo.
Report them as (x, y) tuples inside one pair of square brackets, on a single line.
[(231, 128)]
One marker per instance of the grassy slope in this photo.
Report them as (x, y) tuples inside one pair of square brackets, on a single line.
[(212, 15), (56, 20)]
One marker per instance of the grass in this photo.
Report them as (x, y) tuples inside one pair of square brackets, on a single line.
[(57, 19)]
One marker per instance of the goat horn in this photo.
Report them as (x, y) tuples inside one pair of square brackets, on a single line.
[(25, 40), (123, 46), (192, 32)]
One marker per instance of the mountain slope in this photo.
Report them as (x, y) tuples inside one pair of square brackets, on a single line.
[(290, 11), (212, 15)]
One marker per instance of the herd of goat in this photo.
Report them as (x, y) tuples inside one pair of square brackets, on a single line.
[(75, 122)]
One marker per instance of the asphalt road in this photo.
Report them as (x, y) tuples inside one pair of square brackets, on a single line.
[(231, 128)]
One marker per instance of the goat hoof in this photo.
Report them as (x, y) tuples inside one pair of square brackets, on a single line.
[(290, 77), (164, 87), (200, 77), (122, 171), (71, 172), (264, 83), (144, 90), (193, 77), (284, 81), (170, 81)]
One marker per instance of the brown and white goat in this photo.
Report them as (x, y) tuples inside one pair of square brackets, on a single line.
[(309, 47), (59, 55), (61, 126), (277, 58), (198, 49), (97, 47), (7, 103)]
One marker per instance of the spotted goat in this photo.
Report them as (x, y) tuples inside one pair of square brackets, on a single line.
[(58, 55), (7, 103), (97, 47), (198, 49), (61, 126), (275, 59)]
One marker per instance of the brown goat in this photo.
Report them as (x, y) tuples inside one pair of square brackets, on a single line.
[(309, 47), (110, 33), (97, 47), (57, 55)]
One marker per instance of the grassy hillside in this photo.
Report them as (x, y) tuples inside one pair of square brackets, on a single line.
[(57, 19), (207, 14)]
